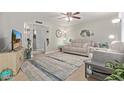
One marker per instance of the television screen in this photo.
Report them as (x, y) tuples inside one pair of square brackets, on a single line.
[(16, 39)]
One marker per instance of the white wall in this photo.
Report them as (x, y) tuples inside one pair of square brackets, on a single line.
[(2, 33), (16, 20), (102, 28), (122, 27)]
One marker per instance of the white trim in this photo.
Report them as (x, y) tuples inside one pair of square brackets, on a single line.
[(37, 51), (48, 52)]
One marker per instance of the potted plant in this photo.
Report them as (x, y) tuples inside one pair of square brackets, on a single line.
[(29, 49), (117, 70)]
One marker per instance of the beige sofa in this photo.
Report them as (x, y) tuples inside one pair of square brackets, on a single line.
[(79, 46), (117, 46), (116, 52)]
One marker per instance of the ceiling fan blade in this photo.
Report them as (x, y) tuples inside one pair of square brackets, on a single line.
[(76, 17), (76, 13)]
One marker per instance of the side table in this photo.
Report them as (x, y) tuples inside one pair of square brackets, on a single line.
[(60, 48)]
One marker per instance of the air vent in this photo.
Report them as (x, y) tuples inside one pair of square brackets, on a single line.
[(39, 22)]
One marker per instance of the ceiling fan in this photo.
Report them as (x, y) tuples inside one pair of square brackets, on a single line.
[(70, 15)]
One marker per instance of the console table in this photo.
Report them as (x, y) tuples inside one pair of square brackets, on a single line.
[(12, 60), (96, 71)]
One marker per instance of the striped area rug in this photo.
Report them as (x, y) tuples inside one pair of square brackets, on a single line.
[(54, 67)]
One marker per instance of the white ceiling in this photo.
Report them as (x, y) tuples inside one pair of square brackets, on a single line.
[(53, 17), (85, 17)]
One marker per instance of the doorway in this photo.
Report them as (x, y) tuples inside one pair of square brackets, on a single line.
[(38, 37)]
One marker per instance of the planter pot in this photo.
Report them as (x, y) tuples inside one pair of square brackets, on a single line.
[(28, 54)]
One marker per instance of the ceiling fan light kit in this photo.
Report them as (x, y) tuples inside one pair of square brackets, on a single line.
[(68, 19)]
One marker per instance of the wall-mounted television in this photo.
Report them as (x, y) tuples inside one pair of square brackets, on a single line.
[(16, 39)]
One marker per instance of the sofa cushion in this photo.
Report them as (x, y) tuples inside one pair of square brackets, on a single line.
[(76, 45), (76, 49), (85, 45)]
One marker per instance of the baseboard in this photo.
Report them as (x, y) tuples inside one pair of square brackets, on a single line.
[(49, 52)]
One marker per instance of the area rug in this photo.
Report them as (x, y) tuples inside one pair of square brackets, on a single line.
[(33, 73), (68, 58), (53, 67), (46, 68)]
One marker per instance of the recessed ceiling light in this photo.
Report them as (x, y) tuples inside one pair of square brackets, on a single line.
[(111, 36), (116, 20)]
